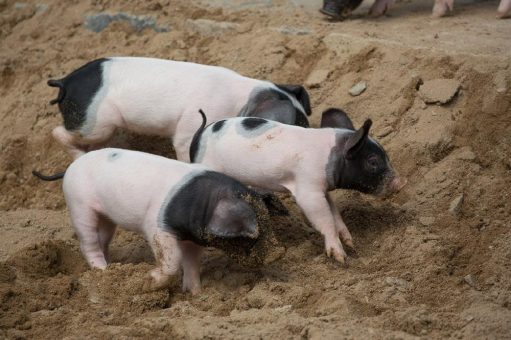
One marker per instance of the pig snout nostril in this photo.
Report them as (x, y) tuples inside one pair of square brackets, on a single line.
[(398, 183)]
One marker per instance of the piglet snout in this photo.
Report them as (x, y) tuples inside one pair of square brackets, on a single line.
[(397, 183)]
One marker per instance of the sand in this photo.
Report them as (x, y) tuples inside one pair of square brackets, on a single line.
[(425, 267)]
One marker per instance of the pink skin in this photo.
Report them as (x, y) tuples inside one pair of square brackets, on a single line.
[(504, 10), (284, 158), (98, 198), (158, 97), (380, 7), (440, 8)]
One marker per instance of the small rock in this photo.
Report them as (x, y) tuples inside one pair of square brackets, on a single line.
[(469, 318), (284, 309), (317, 77), (455, 206), (398, 283), (439, 90), (466, 154), (20, 5), (41, 8), (208, 27), (423, 105), (426, 220), (293, 30), (237, 4), (470, 280), (98, 22), (500, 82), (358, 89), (385, 132), (11, 176)]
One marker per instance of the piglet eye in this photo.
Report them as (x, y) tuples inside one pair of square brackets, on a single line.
[(373, 163)]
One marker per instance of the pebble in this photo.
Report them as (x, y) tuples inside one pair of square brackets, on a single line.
[(426, 220), (99, 21), (316, 78), (466, 154), (470, 280), (20, 5), (439, 91), (294, 30), (455, 206), (398, 283), (358, 88), (211, 27), (385, 132)]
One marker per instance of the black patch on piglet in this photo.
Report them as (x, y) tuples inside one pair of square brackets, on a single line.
[(273, 105), (211, 205), (218, 125), (253, 123), (337, 119), (299, 92), (76, 92), (357, 162)]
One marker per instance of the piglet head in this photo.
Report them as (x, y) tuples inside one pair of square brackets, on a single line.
[(362, 163), (233, 217), (367, 167), (240, 226)]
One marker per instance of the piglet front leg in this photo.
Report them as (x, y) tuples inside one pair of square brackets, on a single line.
[(316, 208), (441, 7), (504, 9), (191, 267), (380, 7), (168, 257), (340, 226)]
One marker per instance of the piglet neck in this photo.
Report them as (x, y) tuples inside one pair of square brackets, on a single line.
[(336, 163)]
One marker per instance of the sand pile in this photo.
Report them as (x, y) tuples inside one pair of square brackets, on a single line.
[(431, 262)]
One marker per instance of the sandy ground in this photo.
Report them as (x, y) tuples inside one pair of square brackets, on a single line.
[(433, 262)]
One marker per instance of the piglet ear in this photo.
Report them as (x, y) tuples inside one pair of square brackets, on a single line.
[(336, 118), (356, 141), (233, 218), (300, 94)]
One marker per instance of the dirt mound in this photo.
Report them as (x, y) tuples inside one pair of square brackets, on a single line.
[(432, 261)]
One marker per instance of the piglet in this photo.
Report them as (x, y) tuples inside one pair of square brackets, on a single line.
[(178, 207), (440, 8), (161, 97), (308, 163)]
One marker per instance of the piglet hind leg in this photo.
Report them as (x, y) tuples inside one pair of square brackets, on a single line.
[(168, 258), (191, 266), (316, 208), (87, 224), (504, 10), (441, 7), (106, 231), (69, 141), (380, 7), (340, 226)]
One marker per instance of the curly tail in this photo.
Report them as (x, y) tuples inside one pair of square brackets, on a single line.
[(196, 137), (57, 83), (53, 177)]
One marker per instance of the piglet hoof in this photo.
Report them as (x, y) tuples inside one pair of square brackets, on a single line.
[(194, 291), (193, 288), (338, 254), (349, 243), (156, 280), (503, 15)]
